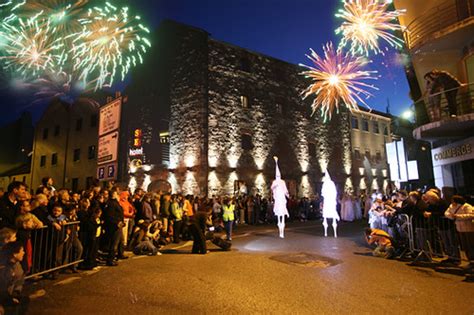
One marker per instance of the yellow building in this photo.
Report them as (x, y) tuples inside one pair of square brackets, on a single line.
[(440, 36), (65, 145), (370, 130)]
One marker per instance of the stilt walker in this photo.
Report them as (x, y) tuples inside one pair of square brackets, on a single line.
[(329, 193), (280, 193)]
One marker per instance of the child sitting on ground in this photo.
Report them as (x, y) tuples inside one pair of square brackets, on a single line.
[(383, 241)]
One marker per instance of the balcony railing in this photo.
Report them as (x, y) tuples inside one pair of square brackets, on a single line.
[(427, 107), (437, 19)]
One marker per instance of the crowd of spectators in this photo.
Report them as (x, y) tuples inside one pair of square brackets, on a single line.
[(441, 225), (59, 229)]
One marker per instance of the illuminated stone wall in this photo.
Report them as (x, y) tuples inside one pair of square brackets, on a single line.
[(188, 102), (278, 121), (202, 82)]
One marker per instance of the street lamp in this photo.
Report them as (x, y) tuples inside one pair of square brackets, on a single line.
[(408, 114)]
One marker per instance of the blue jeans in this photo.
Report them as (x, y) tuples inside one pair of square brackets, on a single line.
[(228, 229)]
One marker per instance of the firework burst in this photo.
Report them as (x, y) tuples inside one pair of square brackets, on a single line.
[(64, 15), (111, 43), (365, 23), (338, 79), (30, 49)]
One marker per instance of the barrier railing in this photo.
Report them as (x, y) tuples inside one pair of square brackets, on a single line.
[(435, 236), (449, 13), (54, 249)]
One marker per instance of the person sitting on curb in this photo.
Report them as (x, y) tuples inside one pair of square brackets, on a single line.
[(382, 240)]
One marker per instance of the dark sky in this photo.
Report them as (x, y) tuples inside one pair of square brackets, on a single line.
[(282, 29)]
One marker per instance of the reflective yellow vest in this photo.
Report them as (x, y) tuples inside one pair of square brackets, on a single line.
[(228, 212)]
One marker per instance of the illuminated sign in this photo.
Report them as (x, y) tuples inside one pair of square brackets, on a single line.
[(453, 153), (135, 152)]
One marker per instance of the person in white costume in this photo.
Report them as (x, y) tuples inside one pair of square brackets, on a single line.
[(280, 193), (329, 193)]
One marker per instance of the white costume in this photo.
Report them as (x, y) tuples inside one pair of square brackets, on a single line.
[(280, 193), (329, 193), (347, 208)]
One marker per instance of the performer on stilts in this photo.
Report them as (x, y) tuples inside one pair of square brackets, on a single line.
[(329, 193), (280, 193)]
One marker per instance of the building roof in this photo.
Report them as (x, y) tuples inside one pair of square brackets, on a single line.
[(17, 170)]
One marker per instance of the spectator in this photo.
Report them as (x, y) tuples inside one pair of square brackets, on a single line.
[(8, 204), (228, 217), (463, 215), (197, 227), (165, 209), (7, 235), (90, 233), (177, 215), (40, 208), (12, 276), (113, 224), (128, 213), (73, 245), (382, 240)]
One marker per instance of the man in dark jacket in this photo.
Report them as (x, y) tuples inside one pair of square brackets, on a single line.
[(197, 228), (113, 224), (8, 204)]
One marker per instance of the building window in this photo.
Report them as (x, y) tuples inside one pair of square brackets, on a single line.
[(54, 159), (244, 101), (43, 160), (378, 156), (57, 130), (94, 120), (279, 108), (89, 182), (356, 154), (355, 122), (245, 64), (45, 133), (164, 137), (247, 142), (91, 152), (365, 124), (385, 130), (79, 124), (367, 154), (312, 149), (375, 127), (75, 184), (76, 155)]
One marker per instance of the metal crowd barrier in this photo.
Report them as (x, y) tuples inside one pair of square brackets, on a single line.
[(435, 237), (53, 250)]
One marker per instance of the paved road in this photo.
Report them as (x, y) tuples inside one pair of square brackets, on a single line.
[(304, 273)]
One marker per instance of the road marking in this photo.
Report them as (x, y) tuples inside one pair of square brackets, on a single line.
[(67, 281), (181, 246), (91, 272)]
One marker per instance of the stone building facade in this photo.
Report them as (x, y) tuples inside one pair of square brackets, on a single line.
[(228, 111)]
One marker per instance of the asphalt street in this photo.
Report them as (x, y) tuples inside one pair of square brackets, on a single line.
[(305, 273)]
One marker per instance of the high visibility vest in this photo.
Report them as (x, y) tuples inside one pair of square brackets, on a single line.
[(228, 212)]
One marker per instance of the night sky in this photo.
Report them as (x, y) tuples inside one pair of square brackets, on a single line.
[(279, 28)]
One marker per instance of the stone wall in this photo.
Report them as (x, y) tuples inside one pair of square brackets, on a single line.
[(278, 121), (188, 104)]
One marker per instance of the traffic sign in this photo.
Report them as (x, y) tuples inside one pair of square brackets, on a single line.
[(109, 119), (107, 171), (108, 147)]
